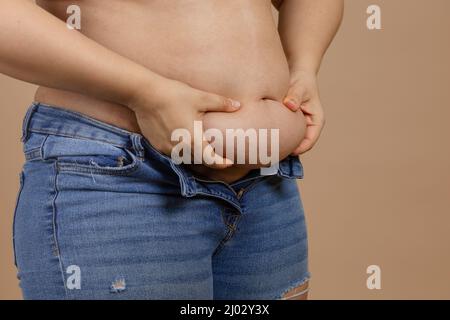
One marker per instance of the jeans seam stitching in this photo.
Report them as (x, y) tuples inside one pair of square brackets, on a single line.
[(231, 230), (22, 181), (63, 167), (77, 137), (41, 148), (252, 185), (221, 197), (32, 150), (54, 226)]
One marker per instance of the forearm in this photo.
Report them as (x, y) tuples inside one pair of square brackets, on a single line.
[(307, 28), (37, 47)]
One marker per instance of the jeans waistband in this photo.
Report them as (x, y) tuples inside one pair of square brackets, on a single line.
[(43, 118)]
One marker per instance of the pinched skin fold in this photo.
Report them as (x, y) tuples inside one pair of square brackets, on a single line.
[(228, 47)]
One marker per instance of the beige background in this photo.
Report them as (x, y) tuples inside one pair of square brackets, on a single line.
[(377, 186)]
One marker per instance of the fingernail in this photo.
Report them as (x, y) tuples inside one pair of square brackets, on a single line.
[(291, 103), (234, 104)]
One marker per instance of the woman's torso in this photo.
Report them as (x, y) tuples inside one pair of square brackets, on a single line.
[(228, 47)]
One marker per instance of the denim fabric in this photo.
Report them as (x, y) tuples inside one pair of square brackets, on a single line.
[(101, 214)]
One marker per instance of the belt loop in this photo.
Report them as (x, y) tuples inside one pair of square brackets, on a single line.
[(291, 168), (136, 140), (188, 185), (26, 121)]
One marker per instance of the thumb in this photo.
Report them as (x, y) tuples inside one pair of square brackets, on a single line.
[(214, 160), (216, 103), (295, 97)]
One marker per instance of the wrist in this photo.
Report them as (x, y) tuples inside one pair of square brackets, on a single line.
[(303, 75), (145, 90), (304, 67)]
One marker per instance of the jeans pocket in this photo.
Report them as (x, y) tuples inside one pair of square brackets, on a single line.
[(21, 182), (90, 156)]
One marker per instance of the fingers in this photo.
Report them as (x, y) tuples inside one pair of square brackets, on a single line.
[(295, 97), (198, 152), (315, 121), (203, 152), (213, 160), (216, 103), (310, 139)]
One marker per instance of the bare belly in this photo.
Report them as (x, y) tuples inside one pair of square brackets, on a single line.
[(228, 47)]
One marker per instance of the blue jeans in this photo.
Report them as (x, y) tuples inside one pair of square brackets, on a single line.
[(101, 214)]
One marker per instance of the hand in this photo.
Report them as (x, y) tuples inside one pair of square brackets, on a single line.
[(174, 105), (303, 95)]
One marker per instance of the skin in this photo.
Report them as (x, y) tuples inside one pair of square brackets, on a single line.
[(124, 80), (155, 66)]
